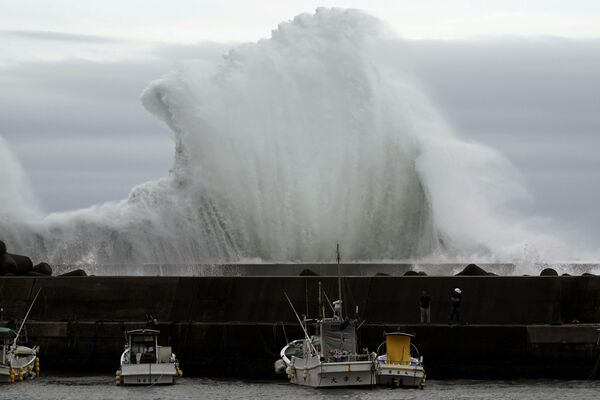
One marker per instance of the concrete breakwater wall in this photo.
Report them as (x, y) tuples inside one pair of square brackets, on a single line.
[(235, 326)]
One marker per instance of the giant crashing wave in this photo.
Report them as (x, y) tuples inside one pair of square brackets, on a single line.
[(287, 146)]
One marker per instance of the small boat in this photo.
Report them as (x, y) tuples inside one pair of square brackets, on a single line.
[(329, 357), (17, 362), (144, 362), (397, 367)]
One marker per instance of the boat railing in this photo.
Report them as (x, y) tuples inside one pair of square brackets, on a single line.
[(412, 346), (407, 363), (348, 358), (381, 351)]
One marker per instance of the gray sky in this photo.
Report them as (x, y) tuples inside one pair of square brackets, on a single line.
[(522, 78), (187, 21)]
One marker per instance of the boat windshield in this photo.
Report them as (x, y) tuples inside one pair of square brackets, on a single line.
[(295, 349), (143, 349), (7, 336)]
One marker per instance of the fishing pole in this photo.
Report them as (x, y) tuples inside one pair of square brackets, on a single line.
[(25, 319), (301, 324)]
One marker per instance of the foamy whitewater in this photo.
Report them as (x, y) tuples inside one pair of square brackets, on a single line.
[(286, 147)]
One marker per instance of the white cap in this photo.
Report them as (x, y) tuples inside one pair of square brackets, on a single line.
[(457, 290)]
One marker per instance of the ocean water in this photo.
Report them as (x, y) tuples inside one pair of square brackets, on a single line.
[(102, 387)]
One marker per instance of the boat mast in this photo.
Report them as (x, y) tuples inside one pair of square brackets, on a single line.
[(339, 278)]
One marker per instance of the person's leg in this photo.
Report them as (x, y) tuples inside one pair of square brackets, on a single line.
[(453, 314), (428, 315), (422, 314)]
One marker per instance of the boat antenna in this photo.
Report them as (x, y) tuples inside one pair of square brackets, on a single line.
[(301, 324), (321, 305), (306, 296), (328, 302), (339, 277), (25, 319)]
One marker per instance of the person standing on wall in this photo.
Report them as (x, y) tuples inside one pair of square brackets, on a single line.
[(425, 307), (455, 302)]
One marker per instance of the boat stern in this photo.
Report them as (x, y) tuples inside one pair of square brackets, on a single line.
[(397, 375), (148, 374)]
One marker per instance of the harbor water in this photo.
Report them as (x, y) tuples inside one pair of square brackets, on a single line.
[(102, 387)]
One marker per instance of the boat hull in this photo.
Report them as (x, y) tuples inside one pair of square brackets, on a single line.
[(23, 360), (315, 373), (148, 374), (400, 375), (5, 374)]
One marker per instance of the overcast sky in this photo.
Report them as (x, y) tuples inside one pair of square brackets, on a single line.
[(522, 77)]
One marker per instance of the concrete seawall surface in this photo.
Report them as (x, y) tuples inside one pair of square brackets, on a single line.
[(235, 326)]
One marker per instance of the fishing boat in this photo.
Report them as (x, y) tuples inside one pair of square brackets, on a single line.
[(144, 362), (329, 357), (400, 364), (17, 362)]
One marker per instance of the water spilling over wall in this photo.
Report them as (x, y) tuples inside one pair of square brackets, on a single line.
[(287, 146)]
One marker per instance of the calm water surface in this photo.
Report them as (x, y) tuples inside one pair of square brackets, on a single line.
[(102, 387)]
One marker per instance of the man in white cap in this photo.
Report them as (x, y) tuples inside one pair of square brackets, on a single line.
[(455, 301)]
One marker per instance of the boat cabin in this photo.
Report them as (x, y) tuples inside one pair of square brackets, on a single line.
[(398, 348), (337, 338), (143, 346), (7, 336)]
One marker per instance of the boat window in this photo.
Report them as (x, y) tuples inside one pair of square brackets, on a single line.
[(127, 357)]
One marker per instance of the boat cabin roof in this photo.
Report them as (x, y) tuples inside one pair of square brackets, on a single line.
[(6, 331), (398, 334), (137, 332)]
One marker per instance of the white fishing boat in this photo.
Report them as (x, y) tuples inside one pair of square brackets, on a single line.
[(144, 362), (17, 363), (329, 357), (400, 364)]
